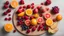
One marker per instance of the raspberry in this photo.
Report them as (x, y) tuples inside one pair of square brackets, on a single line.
[(9, 18), (5, 6), (28, 31), (7, 2), (33, 29), (28, 6), (6, 19), (9, 10), (48, 2), (32, 4), (55, 9), (22, 2), (35, 11)]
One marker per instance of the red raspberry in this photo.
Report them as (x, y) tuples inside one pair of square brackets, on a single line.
[(5, 6), (33, 29), (28, 31), (48, 2), (9, 10), (9, 18), (32, 4), (6, 19), (35, 11), (28, 6), (22, 2), (5, 13), (7, 2), (42, 3)]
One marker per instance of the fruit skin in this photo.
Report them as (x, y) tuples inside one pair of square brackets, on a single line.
[(27, 22), (55, 10), (49, 22), (59, 17), (34, 22), (35, 11), (21, 14), (48, 2)]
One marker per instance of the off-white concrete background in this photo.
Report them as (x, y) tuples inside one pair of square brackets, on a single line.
[(59, 3)]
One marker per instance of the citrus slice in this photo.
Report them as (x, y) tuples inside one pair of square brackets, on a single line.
[(29, 12), (40, 20), (49, 22), (36, 15), (21, 14), (8, 27), (33, 22), (27, 22), (14, 4)]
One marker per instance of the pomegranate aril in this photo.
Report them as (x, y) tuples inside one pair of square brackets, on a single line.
[(9, 18), (32, 17), (22, 2), (9, 14), (42, 3), (48, 2), (35, 11), (32, 3), (5, 6), (32, 6), (14, 31), (7, 2), (9, 10), (54, 20), (20, 7), (6, 19), (24, 6), (28, 6), (33, 29), (28, 31), (5, 13)]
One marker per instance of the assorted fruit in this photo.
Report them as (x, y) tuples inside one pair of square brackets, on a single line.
[(32, 18)]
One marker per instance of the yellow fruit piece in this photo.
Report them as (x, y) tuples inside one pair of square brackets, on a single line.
[(49, 22), (33, 22), (14, 4), (59, 17), (55, 24), (52, 31), (21, 14), (36, 15), (8, 27), (29, 12)]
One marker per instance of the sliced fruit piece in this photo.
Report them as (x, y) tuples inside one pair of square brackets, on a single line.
[(29, 12), (21, 14), (14, 4), (33, 22), (52, 31), (59, 17), (40, 20), (55, 24), (36, 15), (27, 22), (49, 22), (8, 27)]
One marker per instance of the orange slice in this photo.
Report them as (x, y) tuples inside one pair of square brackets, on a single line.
[(36, 15), (29, 12), (33, 22), (8, 27), (21, 14), (49, 22), (14, 4)]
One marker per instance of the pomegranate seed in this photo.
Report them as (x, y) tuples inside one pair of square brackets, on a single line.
[(5, 13), (14, 31), (48, 2), (54, 20), (9, 10), (28, 31), (41, 3), (38, 29), (30, 26), (9, 14), (35, 10), (31, 17), (20, 7), (24, 6), (32, 4), (26, 17), (7, 2), (21, 2), (9, 18), (47, 9), (38, 7), (5, 6), (33, 29), (46, 28), (28, 6), (6, 19), (41, 15)]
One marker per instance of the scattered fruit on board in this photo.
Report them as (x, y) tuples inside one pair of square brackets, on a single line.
[(31, 17)]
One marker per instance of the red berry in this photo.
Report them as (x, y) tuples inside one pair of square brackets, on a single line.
[(19, 23), (41, 15), (28, 31), (28, 6), (14, 31), (18, 18), (5, 6), (20, 7), (19, 10), (32, 3), (31, 17), (5, 13), (38, 7), (30, 26), (32, 6), (26, 17), (9, 14), (46, 28), (43, 24), (42, 10), (35, 11), (7, 2), (41, 3), (48, 2), (42, 29), (9, 18), (38, 29), (33, 29), (9, 10), (47, 9), (21, 2), (6, 19), (24, 6), (54, 20)]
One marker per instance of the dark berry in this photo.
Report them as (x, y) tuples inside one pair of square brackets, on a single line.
[(48, 2), (9, 10), (28, 31), (18, 18), (32, 17), (28, 6), (26, 17), (30, 26), (7, 2), (5, 6), (41, 15), (38, 7)]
